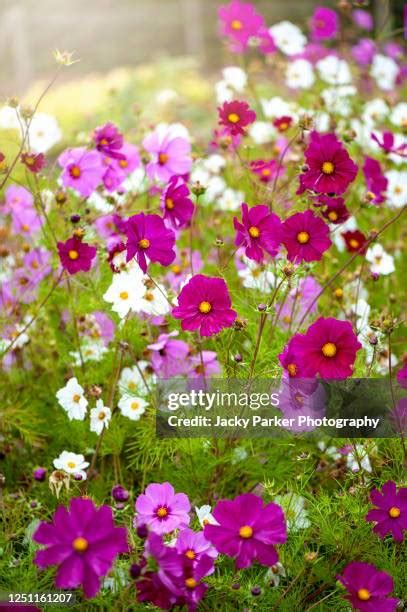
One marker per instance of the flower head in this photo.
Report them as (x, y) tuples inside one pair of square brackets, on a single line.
[(34, 162), (170, 154), (239, 22), (170, 356), (368, 587), (100, 417), (376, 182), (71, 463), (305, 236), (324, 23), (161, 509), (72, 399), (330, 169), (236, 116), (355, 241), (82, 170), (108, 140), (204, 303), (83, 541), (75, 255), (247, 529), (390, 514), (333, 209), (176, 203), (259, 231), (147, 237)]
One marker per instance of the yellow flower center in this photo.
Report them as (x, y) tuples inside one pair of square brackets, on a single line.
[(233, 118), (25, 227), (73, 254), (246, 532), (144, 243), (29, 160), (266, 172), (132, 385), (176, 269), (191, 583), (205, 307), (101, 416), (292, 369), (354, 243), (329, 349), (71, 464), (80, 544), (149, 296), (303, 237), (162, 512), (123, 163), (134, 405), (123, 295), (328, 167), (364, 595), (76, 398), (254, 231), (394, 512), (190, 554), (162, 158), (338, 293), (169, 203), (75, 172), (236, 24), (283, 126), (332, 216)]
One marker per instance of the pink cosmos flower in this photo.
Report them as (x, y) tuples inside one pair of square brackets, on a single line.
[(333, 209), (298, 301), (324, 23), (305, 236), (363, 19), (391, 513), (147, 237), (37, 264), (402, 376), (192, 545), (171, 155), (204, 303), (259, 231), (82, 170), (118, 169), (328, 348), (364, 51), (26, 221), (83, 541), (376, 182), (236, 116), (266, 170), (161, 509), (330, 169), (204, 367), (181, 268), (240, 22), (368, 587), (247, 529), (176, 203), (75, 255), (17, 197), (108, 140), (170, 356)]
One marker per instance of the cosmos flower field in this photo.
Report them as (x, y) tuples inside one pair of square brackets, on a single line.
[(252, 231)]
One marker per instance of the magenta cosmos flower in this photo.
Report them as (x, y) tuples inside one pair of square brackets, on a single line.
[(176, 203), (108, 140), (147, 237), (305, 236), (236, 116), (328, 348), (170, 155), (368, 587), (75, 255), (247, 529), (204, 303), (259, 231), (376, 182), (324, 23), (83, 541), (82, 170), (329, 167), (117, 170), (390, 515), (333, 209), (240, 22), (161, 509)]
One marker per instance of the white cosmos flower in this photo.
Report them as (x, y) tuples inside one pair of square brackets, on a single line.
[(334, 70), (275, 573), (361, 457), (384, 70), (99, 417), (398, 115), (100, 203), (134, 183), (288, 37), (132, 407), (131, 379), (295, 513), (276, 107), (300, 74), (230, 199), (72, 399), (91, 350), (339, 99), (205, 516), (381, 262), (374, 111), (255, 276), (214, 163), (43, 133), (235, 77), (125, 292), (262, 132), (396, 188), (9, 118), (71, 463), (223, 92), (153, 301)]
